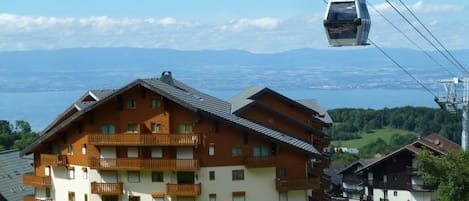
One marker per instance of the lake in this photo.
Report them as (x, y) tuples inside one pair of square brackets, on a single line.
[(41, 108)]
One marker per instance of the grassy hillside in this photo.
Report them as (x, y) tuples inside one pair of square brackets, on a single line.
[(367, 138)]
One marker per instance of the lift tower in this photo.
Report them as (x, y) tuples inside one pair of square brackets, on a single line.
[(451, 100)]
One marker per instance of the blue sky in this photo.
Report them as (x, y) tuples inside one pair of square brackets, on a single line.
[(256, 26)]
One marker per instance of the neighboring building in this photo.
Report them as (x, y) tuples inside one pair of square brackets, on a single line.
[(352, 187), (159, 139), (394, 178), (11, 170)]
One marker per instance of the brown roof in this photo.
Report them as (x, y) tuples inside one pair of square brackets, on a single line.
[(434, 142)]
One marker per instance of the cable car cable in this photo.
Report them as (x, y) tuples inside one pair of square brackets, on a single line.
[(401, 67), (463, 70), (412, 41), (433, 36)]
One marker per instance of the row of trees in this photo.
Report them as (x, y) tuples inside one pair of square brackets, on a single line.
[(17, 135), (349, 122)]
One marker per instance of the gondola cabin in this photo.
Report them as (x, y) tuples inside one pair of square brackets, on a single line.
[(347, 23)]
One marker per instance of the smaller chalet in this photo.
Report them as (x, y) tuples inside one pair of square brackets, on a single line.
[(394, 176)]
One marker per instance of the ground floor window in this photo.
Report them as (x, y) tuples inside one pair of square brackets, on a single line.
[(110, 198), (239, 196), (134, 198), (283, 196)]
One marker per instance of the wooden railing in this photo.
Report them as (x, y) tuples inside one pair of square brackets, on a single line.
[(143, 140), (287, 184), (144, 164), (37, 181), (259, 162), (107, 188), (183, 189), (33, 198), (54, 159)]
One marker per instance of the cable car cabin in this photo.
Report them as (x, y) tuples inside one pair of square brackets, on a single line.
[(347, 23)]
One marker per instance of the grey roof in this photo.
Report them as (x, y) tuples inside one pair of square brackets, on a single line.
[(245, 98), (242, 99), (11, 175), (361, 163), (314, 105), (192, 99)]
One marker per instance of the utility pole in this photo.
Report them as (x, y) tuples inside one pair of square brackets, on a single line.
[(451, 100)]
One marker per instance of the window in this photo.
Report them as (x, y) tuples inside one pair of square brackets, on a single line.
[(395, 193), (184, 128), (237, 175), (132, 128), (156, 176), (237, 151), (212, 197), (131, 104), (108, 128), (133, 176), (282, 172), (156, 103), (283, 196), (85, 173), (156, 152), (132, 152), (239, 196), (71, 173), (134, 198), (156, 128), (48, 192), (71, 196), (211, 149), (211, 175), (69, 149), (83, 149), (86, 197), (260, 151)]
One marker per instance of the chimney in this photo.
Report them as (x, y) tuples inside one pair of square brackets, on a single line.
[(167, 78)]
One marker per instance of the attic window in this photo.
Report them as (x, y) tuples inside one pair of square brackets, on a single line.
[(131, 104)]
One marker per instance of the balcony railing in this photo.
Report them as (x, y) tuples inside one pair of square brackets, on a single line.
[(33, 198), (144, 164), (183, 189), (424, 187), (260, 162), (36, 181), (107, 188), (54, 159), (143, 140), (287, 184)]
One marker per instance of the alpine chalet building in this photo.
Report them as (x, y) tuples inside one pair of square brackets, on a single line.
[(161, 140)]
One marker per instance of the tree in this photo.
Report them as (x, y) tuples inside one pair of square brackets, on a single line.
[(377, 147), (450, 171)]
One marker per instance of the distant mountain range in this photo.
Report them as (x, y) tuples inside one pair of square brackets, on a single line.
[(90, 68)]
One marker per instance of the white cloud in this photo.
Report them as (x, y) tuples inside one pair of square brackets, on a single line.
[(266, 23)]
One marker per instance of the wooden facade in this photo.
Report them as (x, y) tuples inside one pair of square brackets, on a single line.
[(149, 130)]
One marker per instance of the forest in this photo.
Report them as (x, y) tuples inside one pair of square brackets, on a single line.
[(17, 135), (349, 122)]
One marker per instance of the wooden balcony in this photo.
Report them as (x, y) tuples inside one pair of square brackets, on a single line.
[(107, 188), (260, 162), (33, 198), (54, 160), (288, 184), (143, 140), (30, 180), (183, 189), (144, 164)]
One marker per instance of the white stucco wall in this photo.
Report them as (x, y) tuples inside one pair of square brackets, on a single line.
[(258, 184), (403, 195)]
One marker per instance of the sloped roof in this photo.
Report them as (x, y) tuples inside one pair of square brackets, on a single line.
[(187, 97), (246, 97), (11, 175), (361, 163), (434, 142)]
